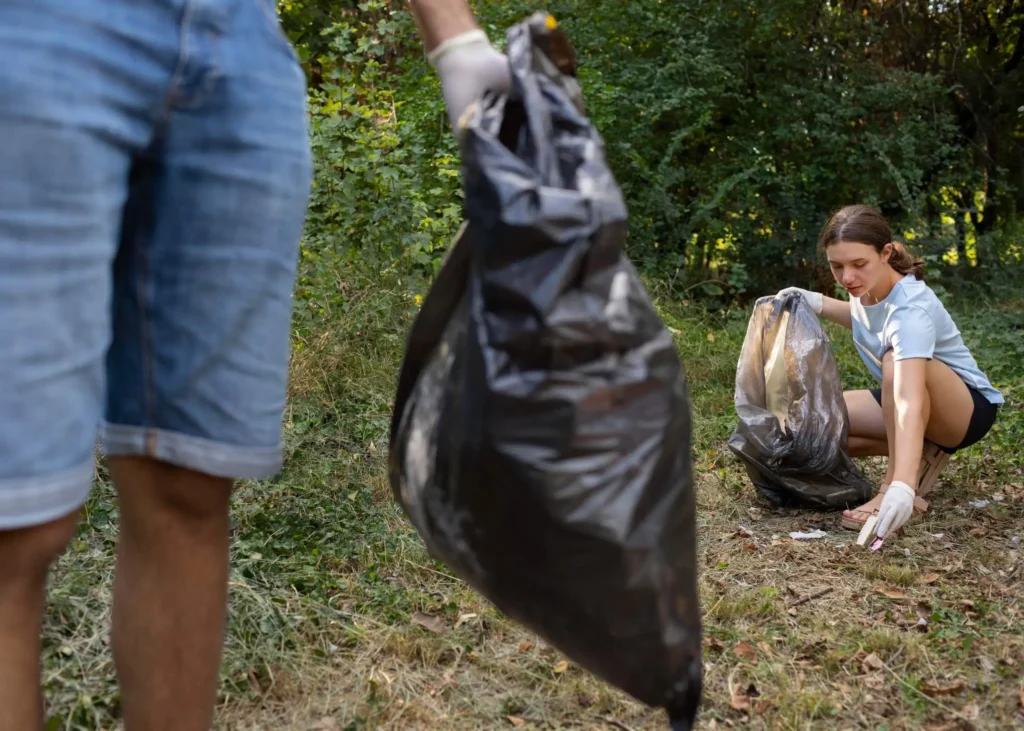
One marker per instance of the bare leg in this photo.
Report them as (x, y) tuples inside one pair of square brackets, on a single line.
[(867, 425), (948, 409), (170, 594), (25, 558), (865, 447)]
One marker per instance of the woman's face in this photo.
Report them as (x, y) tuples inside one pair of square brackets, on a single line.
[(858, 267)]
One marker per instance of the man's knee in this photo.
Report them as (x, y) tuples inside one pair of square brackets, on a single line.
[(158, 496), (26, 553)]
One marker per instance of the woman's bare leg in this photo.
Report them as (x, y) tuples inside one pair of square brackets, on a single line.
[(949, 409), (867, 425)]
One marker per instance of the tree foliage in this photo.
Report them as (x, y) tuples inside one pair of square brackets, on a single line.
[(734, 126)]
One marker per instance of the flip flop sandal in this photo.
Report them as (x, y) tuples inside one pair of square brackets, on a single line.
[(933, 460), (856, 523)]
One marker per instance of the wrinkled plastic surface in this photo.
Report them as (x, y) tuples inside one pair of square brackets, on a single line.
[(540, 440), (802, 460)]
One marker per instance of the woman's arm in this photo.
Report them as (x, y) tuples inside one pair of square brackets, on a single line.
[(831, 309), (910, 398), (837, 311)]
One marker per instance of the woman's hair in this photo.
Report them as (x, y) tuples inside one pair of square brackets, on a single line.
[(865, 225)]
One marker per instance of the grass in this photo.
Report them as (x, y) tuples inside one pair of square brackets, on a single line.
[(331, 589)]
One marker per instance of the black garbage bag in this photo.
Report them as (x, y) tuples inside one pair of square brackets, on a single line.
[(540, 441), (793, 424)]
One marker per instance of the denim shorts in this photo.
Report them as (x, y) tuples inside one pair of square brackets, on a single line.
[(154, 177)]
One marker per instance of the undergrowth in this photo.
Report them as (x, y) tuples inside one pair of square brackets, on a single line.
[(339, 619)]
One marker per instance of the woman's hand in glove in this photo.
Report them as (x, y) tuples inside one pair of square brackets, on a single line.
[(896, 509), (814, 299), (468, 65)]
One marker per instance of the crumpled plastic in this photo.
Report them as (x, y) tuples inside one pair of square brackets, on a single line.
[(540, 440), (793, 425)]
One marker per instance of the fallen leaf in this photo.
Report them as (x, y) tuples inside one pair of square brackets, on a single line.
[(327, 723), (740, 697), (525, 646), (517, 721), (928, 578), (713, 643), (429, 622), (745, 652), (941, 688), (463, 619), (254, 682), (561, 667), (979, 532), (971, 712), (872, 662), (894, 594)]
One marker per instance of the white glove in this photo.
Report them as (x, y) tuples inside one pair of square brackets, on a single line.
[(896, 509), (814, 299), (468, 65)]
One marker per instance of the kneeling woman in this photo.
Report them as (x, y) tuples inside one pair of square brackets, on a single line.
[(933, 399)]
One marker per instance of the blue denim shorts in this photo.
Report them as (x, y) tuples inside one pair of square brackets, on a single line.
[(154, 177)]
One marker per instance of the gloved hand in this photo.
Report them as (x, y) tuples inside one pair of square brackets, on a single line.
[(468, 65), (814, 299), (896, 509)]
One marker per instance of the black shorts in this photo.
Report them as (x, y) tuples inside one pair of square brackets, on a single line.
[(982, 419)]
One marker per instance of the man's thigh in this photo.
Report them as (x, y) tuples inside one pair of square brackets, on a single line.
[(74, 102), (205, 273)]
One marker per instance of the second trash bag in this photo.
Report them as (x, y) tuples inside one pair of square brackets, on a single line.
[(793, 425), (540, 439)]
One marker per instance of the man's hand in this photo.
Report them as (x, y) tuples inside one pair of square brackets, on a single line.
[(468, 65), (459, 51)]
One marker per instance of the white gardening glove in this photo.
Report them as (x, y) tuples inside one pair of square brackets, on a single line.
[(814, 299), (468, 65), (896, 509)]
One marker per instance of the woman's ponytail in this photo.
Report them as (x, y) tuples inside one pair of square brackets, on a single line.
[(903, 262)]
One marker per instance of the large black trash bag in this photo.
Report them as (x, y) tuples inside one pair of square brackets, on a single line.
[(540, 442), (793, 425)]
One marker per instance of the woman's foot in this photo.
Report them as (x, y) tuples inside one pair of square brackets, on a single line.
[(933, 460), (855, 519)]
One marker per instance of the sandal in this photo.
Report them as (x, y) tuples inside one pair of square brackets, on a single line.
[(933, 460)]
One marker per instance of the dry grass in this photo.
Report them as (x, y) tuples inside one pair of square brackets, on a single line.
[(328, 580)]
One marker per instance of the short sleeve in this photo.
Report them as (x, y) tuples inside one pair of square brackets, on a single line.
[(910, 333)]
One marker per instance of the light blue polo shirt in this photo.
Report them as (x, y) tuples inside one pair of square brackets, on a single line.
[(913, 323)]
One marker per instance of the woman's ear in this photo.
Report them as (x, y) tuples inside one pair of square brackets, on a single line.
[(887, 251)]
